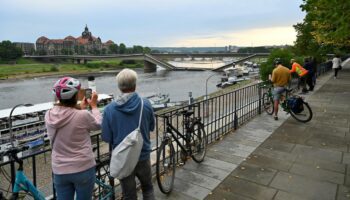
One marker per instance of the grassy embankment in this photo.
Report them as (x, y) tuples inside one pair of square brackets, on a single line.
[(31, 68)]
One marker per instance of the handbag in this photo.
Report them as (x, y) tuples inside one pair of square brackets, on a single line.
[(126, 155)]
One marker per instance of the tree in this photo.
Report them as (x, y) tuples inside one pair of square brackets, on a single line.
[(326, 24), (147, 50), (9, 51), (113, 48), (284, 54), (122, 48), (137, 49)]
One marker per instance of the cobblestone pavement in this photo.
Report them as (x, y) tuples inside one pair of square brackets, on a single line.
[(300, 161), (284, 159)]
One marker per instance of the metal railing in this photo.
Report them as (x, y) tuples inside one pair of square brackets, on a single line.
[(220, 114)]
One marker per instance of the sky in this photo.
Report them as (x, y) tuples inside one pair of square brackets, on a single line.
[(154, 23)]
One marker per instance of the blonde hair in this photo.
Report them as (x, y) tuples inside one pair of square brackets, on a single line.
[(126, 80)]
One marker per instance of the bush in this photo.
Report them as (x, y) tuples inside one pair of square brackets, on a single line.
[(54, 68), (284, 54), (128, 62)]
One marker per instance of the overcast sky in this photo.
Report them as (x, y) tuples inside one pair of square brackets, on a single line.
[(154, 23)]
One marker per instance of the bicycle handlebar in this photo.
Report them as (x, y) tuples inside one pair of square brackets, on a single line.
[(12, 152)]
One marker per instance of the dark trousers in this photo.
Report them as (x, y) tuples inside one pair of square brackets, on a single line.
[(336, 72), (143, 173), (302, 83), (309, 81)]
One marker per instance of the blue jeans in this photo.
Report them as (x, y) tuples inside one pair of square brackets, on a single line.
[(81, 183), (143, 173)]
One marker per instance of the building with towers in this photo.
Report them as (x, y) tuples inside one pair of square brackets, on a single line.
[(84, 44)]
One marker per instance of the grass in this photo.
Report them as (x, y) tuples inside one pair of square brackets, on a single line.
[(30, 68)]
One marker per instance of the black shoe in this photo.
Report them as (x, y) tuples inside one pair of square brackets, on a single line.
[(275, 117)]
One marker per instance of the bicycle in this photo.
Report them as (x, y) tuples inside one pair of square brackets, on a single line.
[(195, 140), (104, 182), (302, 114), (103, 189), (22, 183)]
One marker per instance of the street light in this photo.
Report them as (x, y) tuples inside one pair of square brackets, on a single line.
[(206, 93), (10, 120)]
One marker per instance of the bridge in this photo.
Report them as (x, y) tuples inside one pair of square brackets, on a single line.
[(152, 60)]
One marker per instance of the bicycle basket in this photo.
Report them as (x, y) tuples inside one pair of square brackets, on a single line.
[(295, 104)]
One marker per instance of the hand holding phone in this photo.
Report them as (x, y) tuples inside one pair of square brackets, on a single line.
[(88, 93)]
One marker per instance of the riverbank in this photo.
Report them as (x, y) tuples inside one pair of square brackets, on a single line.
[(27, 68)]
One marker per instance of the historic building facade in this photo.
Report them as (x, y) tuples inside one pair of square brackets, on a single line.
[(84, 44)]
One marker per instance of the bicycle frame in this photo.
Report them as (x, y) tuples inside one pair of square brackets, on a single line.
[(171, 129), (23, 184)]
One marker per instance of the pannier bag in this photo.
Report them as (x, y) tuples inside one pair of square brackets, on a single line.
[(296, 104)]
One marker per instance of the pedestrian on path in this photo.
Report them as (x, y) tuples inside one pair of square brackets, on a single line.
[(297, 68), (336, 65), (309, 76)]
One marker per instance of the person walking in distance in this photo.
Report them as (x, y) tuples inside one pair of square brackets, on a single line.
[(68, 127), (297, 68), (280, 79), (122, 117), (336, 65)]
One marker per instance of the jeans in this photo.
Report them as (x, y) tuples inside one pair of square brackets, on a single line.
[(143, 173), (81, 183)]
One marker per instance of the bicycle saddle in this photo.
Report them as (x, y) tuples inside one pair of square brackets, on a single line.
[(187, 113), (289, 90)]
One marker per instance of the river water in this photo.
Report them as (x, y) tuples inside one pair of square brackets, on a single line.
[(175, 83)]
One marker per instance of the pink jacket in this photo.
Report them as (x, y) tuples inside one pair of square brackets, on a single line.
[(72, 149)]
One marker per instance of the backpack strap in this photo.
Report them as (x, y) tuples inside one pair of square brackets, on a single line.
[(140, 113)]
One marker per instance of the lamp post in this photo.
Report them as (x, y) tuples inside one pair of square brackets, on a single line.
[(206, 94), (10, 120)]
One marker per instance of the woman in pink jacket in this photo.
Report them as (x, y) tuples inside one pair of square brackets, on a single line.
[(68, 127)]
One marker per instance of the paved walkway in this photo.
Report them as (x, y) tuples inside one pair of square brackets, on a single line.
[(284, 159)]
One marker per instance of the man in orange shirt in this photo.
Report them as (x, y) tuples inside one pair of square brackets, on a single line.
[(302, 73), (280, 79)]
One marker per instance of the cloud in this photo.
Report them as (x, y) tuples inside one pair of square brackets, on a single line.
[(251, 37), (147, 22)]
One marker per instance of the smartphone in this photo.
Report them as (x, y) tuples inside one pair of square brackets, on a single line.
[(88, 93)]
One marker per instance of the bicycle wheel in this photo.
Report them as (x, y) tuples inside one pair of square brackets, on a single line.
[(199, 142), (305, 115), (165, 167), (268, 103)]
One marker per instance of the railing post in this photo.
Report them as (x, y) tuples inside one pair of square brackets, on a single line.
[(235, 120), (111, 183), (259, 91), (13, 173), (53, 186), (34, 170)]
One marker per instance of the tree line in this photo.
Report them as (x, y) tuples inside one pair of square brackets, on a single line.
[(9, 51)]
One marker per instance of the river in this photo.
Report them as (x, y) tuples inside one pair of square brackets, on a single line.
[(175, 83)]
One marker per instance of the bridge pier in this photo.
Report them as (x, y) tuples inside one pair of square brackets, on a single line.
[(149, 67), (78, 61)]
